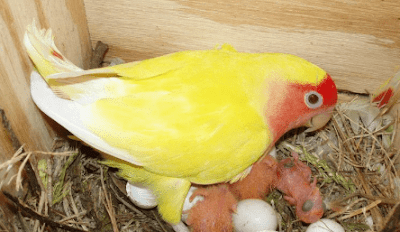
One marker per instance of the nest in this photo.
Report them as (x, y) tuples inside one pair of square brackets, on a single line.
[(356, 165), (353, 159)]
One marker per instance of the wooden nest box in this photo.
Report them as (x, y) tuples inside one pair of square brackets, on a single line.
[(357, 42)]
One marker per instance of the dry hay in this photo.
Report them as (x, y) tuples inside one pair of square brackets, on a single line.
[(75, 193)]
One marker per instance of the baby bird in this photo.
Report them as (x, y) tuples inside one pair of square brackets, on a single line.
[(214, 213), (294, 180), (258, 183)]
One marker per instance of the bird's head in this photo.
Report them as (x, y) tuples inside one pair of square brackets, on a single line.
[(311, 208), (299, 94)]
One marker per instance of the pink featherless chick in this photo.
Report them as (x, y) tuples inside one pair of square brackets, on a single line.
[(294, 180), (214, 213), (258, 183), (290, 176)]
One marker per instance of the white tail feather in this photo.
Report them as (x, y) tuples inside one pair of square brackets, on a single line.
[(67, 114)]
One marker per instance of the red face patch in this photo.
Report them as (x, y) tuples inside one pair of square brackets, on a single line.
[(327, 89), (287, 108)]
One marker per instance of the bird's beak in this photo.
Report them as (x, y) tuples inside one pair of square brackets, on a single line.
[(318, 121)]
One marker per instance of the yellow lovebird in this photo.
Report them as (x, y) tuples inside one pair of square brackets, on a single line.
[(199, 117)]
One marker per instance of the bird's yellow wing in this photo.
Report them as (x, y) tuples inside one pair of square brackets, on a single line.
[(184, 122)]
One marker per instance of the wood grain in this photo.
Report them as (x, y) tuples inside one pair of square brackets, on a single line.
[(68, 20), (356, 41)]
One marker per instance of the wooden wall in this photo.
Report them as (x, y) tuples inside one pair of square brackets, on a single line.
[(21, 121), (356, 41)]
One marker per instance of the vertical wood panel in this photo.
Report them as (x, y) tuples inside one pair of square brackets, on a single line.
[(356, 41), (68, 20)]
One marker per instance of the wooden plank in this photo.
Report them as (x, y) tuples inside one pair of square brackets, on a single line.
[(68, 20), (356, 41)]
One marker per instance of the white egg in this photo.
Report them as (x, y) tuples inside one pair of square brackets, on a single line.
[(254, 215), (188, 205), (141, 196), (325, 225)]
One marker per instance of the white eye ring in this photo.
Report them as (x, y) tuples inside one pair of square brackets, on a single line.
[(313, 99)]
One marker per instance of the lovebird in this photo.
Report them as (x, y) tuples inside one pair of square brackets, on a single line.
[(200, 117)]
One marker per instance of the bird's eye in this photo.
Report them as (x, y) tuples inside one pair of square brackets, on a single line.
[(307, 206), (313, 99)]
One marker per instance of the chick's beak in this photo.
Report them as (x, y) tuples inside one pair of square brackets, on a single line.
[(318, 121)]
